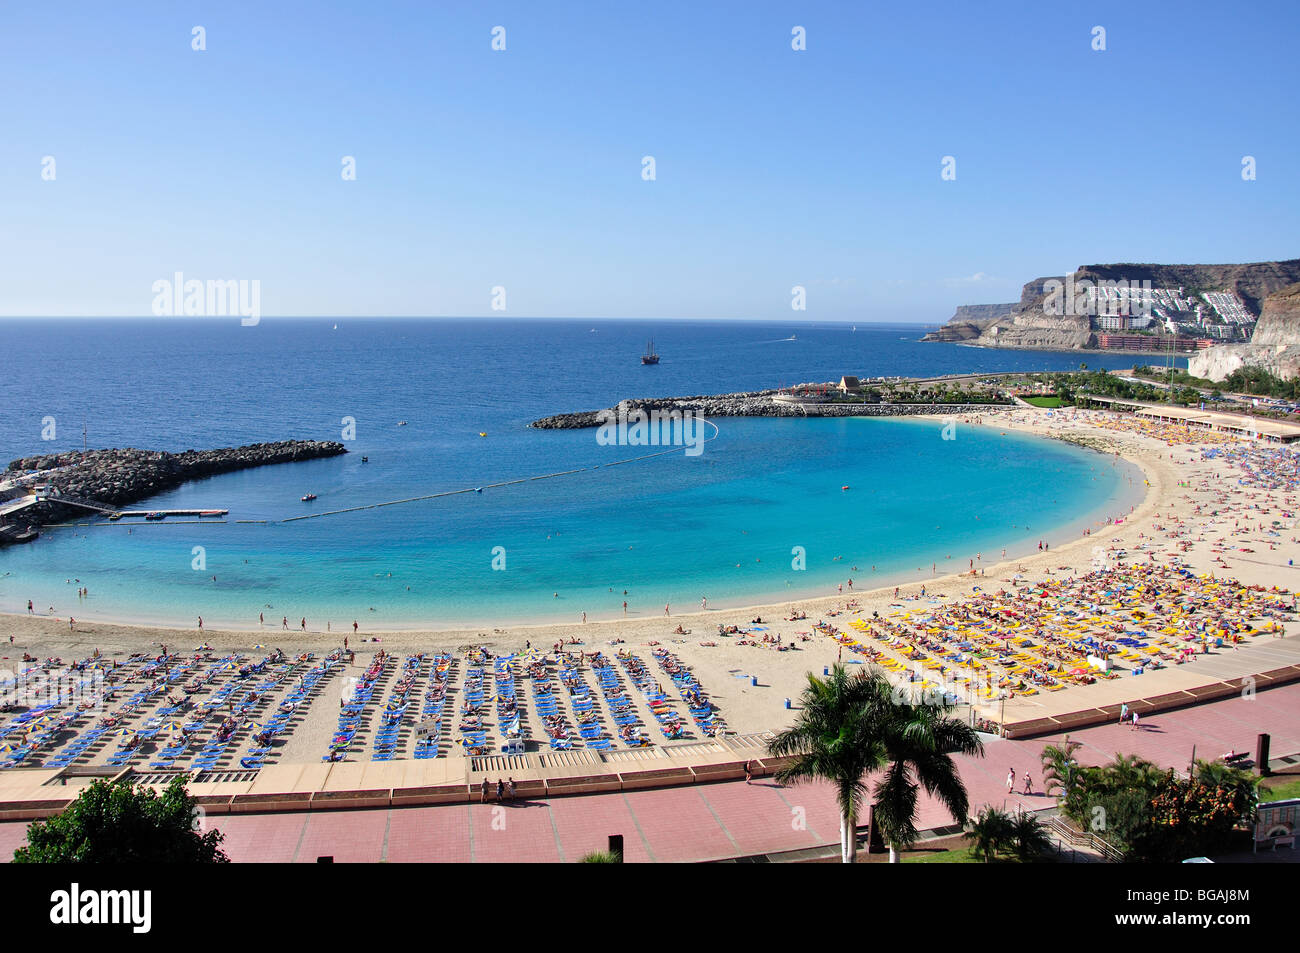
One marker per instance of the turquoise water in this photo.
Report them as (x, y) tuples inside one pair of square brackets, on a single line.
[(670, 529)]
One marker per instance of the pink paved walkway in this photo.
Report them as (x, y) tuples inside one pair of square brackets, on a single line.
[(707, 822)]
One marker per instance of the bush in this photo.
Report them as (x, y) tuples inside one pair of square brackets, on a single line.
[(121, 823)]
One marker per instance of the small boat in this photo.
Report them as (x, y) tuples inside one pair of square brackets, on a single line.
[(482, 433), (309, 497), (401, 423), (155, 516), (650, 357), (114, 517), (845, 487), (478, 489), (209, 513), (365, 459)]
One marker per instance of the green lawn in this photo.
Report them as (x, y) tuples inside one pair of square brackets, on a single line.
[(960, 855), (1048, 402), (1282, 788)]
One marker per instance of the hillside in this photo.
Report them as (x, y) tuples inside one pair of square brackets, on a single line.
[(1029, 325)]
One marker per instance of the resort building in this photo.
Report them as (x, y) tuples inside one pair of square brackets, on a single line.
[(1240, 425)]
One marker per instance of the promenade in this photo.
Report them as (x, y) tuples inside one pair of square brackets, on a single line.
[(702, 822)]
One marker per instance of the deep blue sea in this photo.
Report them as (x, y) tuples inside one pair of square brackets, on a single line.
[(727, 524)]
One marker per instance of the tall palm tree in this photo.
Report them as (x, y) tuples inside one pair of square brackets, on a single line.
[(831, 740), (1058, 764), (850, 726), (919, 738)]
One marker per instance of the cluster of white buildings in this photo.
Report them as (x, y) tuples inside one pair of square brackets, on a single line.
[(1174, 312), (1229, 307)]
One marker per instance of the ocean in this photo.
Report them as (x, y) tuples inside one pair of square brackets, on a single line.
[(759, 514)]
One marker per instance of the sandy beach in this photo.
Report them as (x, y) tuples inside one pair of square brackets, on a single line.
[(749, 675)]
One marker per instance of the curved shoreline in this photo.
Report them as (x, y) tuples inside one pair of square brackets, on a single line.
[(726, 611)]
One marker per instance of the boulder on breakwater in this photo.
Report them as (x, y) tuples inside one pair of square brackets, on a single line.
[(119, 477), (752, 404)]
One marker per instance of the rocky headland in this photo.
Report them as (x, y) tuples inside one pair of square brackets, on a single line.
[(1031, 324), (1275, 346)]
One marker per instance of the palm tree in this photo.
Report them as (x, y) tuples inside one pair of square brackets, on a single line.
[(1029, 836), (919, 740), (1217, 774), (850, 726), (989, 832), (601, 857), (1058, 764), (1130, 770), (831, 740)]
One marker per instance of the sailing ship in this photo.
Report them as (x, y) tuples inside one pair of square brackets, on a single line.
[(650, 357)]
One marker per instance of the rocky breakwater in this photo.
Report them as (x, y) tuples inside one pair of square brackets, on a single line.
[(116, 478), (763, 403)]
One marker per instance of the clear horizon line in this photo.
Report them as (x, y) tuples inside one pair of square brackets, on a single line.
[(447, 317)]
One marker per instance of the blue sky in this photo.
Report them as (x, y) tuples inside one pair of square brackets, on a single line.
[(522, 168)]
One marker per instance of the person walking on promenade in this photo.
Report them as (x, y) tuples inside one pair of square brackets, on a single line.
[(1123, 712), (1011, 781)]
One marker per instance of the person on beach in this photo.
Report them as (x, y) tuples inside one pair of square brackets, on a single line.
[(29, 606), (304, 623), (354, 626), (666, 612), (261, 619), (624, 607), (284, 623)]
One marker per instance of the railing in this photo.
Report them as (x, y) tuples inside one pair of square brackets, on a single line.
[(1108, 852)]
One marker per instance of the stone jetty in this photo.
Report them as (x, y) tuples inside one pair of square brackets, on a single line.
[(119, 477), (763, 403)]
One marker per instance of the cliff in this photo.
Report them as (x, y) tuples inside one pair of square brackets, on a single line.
[(1275, 346), (1030, 325), (969, 321), (1279, 318)]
